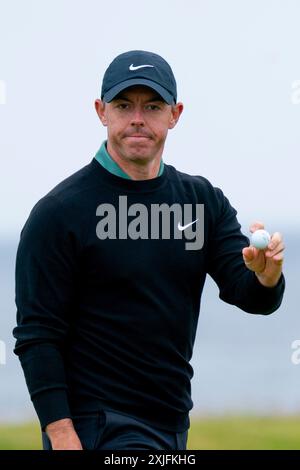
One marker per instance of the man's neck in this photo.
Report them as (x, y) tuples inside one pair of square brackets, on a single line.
[(137, 170)]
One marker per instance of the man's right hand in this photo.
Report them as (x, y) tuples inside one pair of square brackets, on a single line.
[(63, 436)]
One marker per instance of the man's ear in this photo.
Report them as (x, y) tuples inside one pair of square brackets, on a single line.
[(101, 111), (176, 112)]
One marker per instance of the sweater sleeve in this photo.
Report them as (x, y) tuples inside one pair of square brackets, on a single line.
[(45, 277), (238, 285)]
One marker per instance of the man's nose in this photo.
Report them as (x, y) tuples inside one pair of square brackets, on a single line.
[(137, 118)]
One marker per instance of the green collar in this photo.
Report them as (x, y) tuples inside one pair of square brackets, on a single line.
[(103, 157)]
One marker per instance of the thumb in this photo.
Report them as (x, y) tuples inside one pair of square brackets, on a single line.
[(248, 254)]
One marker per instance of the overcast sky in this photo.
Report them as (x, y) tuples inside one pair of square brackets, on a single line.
[(236, 63)]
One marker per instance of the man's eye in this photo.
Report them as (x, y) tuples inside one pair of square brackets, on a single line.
[(152, 107), (123, 106)]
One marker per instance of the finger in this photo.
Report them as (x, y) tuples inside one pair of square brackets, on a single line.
[(279, 258), (256, 226), (278, 249), (248, 253), (276, 238), (254, 259)]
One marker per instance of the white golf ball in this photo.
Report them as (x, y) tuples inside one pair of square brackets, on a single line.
[(260, 239)]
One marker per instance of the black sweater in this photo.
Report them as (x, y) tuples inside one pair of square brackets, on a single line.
[(110, 323)]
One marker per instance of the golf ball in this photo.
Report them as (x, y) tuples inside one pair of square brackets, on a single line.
[(260, 239)]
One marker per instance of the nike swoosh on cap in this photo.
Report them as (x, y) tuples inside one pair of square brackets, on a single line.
[(183, 227), (132, 67)]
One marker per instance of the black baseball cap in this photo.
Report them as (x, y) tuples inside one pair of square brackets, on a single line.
[(139, 68)]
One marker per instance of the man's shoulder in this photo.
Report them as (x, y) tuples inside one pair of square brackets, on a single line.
[(197, 181), (72, 186), (64, 200)]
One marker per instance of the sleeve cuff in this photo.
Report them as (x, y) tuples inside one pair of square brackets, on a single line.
[(270, 297), (51, 406)]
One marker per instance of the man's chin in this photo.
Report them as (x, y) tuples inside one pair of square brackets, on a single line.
[(138, 152), (139, 156)]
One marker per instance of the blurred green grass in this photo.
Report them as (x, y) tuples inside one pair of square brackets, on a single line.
[(205, 433)]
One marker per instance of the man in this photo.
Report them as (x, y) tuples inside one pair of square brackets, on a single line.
[(109, 274)]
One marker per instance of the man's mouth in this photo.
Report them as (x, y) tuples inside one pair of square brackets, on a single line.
[(138, 139), (138, 135)]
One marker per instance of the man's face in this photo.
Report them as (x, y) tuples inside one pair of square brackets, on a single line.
[(137, 123)]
